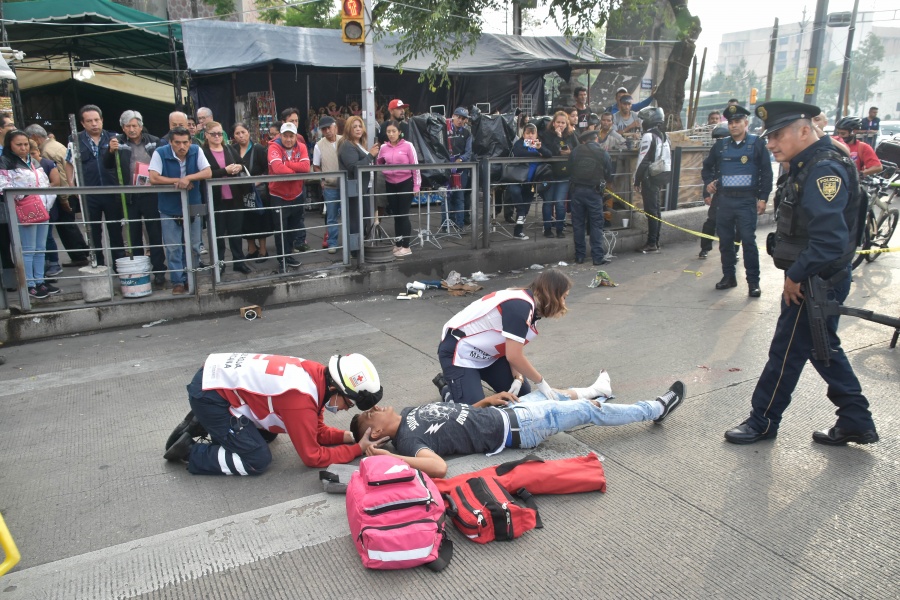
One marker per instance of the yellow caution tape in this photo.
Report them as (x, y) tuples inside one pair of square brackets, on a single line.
[(697, 273), (714, 238)]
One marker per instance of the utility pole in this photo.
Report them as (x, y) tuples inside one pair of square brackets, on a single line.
[(367, 50), (845, 74), (772, 47), (815, 52), (517, 18)]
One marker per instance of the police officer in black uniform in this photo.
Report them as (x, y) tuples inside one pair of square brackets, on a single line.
[(709, 225), (742, 188), (590, 167), (817, 225)]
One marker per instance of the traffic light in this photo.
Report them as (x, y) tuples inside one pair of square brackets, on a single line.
[(753, 93), (353, 22)]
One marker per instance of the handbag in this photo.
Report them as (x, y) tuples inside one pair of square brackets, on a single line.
[(254, 199), (544, 172), (31, 209), (514, 173), (657, 167)]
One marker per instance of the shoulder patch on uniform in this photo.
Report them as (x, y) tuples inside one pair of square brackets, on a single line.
[(829, 186)]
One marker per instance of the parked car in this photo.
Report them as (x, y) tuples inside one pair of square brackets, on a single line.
[(889, 130)]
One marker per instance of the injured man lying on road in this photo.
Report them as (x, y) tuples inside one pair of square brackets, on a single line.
[(423, 435)]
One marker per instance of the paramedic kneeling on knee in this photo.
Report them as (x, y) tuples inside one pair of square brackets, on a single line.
[(486, 340), (241, 399)]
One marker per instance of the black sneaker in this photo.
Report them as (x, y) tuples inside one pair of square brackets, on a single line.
[(181, 449), (50, 289), (290, 261), (671, 400), (703, 254), (548, 233), (37, 292)]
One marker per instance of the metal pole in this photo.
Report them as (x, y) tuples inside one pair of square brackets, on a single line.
[(79, 181), (815, 52), (367, 54), (845, 74), (173, 52), (690, 106), (772, 47), (517, 18), (18, 109), (699, 83)]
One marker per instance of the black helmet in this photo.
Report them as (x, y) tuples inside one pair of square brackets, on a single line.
[(593, 119), (720, 131), (850, 124), (651, 117)]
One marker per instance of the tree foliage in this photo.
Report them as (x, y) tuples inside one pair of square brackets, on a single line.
[(317, 15), (223, 7)]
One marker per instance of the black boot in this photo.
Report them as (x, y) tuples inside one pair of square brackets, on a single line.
[(727, 282)]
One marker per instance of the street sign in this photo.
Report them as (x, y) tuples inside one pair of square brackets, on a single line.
[(646, 84), (811, 75)]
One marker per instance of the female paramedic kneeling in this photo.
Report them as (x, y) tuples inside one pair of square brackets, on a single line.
[(242, 400), (486, 340)]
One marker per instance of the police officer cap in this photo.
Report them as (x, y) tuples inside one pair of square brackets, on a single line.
[(782, 113), (735, 111), (587, 136)]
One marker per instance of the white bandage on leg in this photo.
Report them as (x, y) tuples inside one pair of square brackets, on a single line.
[(600, 390)]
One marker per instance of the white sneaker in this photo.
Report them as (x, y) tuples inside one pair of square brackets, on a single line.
[(520, 221), (602, 386), (402, 252), (520, 236)]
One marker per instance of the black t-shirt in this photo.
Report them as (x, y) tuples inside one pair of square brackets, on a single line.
[(447, 428), (402, 125), (583, 114)]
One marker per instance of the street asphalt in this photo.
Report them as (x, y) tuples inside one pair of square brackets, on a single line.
[(97, 513)]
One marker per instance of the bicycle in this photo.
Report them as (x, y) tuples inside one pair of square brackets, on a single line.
[(880, 226)]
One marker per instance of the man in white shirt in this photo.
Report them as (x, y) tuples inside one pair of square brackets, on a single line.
[(325, 159)]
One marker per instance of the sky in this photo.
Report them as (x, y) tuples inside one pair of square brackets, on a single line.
[(718, 17)]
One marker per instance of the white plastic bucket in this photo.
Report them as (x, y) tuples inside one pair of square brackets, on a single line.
[(94, 284), (134, 276)]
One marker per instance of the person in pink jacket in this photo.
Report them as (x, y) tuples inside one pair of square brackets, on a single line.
[(400, 184)]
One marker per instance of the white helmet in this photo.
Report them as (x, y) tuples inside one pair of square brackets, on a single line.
[(356, 378)]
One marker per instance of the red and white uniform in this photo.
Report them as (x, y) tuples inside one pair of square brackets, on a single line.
[(862, 154), (282, 394), (483, 323)]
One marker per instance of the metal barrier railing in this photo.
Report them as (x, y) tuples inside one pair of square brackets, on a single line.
[(286, 235), (19, 254), (367, 224)]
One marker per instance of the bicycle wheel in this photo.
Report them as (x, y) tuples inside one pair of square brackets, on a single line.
[(884, 233), (868, 235)]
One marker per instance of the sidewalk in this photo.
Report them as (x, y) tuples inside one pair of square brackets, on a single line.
[(97, 513)]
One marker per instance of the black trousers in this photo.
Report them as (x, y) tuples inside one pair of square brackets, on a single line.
[(709, 226), (109, 207), (230, 223), (146, 206)]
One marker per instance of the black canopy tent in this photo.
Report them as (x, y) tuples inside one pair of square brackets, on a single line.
[(310, 67)]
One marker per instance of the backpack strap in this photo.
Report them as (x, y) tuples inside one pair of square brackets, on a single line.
[(528, 500), (506, 467), (445, 552)]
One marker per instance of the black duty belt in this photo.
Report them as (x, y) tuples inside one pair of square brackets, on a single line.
[(513, 427), (457, 333)]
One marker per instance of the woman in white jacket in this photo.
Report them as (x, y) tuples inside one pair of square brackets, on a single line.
[(19, 170)]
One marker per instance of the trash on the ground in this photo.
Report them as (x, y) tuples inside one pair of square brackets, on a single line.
[(697, 273), (36, 319), (137, 365), (562, 263), (154, 323), (453, 278), (321, 275), (703, 367), (146, 335), (733, 369), (536, 267), (479, 276), (251, 312), (410, 294), (463, 289), (602, 279), (516, 272)]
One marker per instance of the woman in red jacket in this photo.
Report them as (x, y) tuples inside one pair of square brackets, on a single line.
[(287, 157), (400, 185)]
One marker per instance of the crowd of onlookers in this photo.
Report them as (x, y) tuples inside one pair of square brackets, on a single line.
[(246, 216)]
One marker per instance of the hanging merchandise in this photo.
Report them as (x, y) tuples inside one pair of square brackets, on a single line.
[(257, 111)]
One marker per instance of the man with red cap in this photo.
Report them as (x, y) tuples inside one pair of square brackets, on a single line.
[(397, 109)]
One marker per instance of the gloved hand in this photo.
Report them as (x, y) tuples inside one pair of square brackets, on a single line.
[(544, 387), (516, 386)]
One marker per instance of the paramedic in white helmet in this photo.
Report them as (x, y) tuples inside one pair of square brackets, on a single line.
[(241, 401)]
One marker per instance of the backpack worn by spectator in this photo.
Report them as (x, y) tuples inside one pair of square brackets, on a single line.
[(396, 516)]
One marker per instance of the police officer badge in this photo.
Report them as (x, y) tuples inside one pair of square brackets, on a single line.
[(744, 160), (829, 186)]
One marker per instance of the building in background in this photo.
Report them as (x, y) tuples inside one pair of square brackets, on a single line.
[(192, 9)]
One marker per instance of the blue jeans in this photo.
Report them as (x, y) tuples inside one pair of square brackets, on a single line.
[(587, 211), (555, 199), (173, 240), (34, 240), (456, 202), (539, 417), (737, 212), (332, 198), (237, 446), (789, 352)]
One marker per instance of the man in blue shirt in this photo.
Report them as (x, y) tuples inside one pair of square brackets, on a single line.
[(816, 236)]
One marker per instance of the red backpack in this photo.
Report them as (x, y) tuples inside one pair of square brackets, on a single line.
[(484, 511), (396, 516)]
